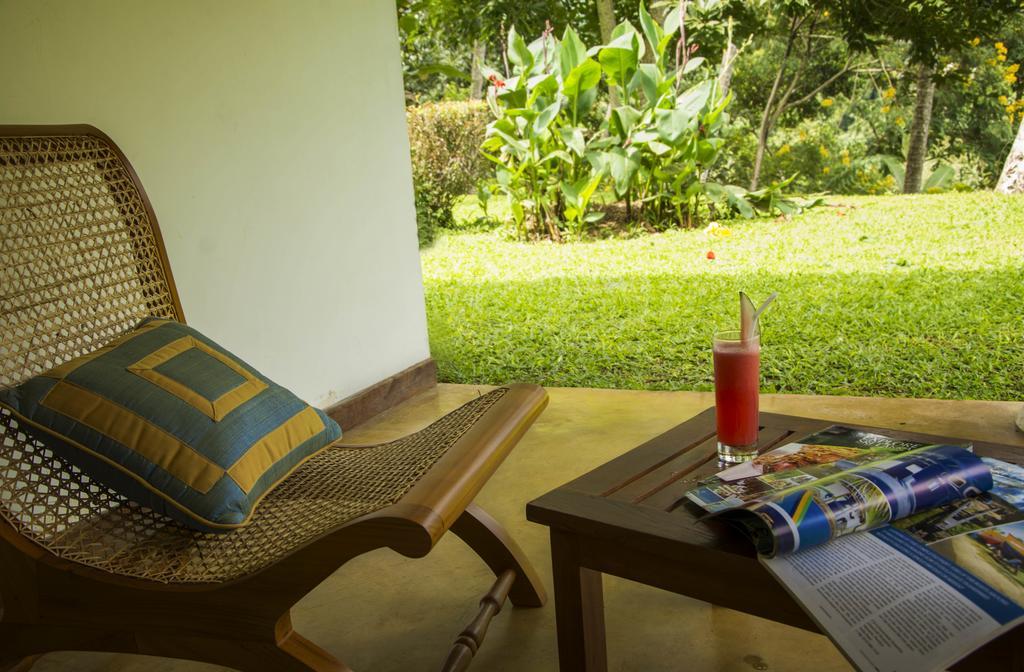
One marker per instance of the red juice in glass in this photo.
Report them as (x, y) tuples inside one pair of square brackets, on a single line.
[(737, 374)]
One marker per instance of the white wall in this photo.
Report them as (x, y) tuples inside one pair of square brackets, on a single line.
[(270, 136)]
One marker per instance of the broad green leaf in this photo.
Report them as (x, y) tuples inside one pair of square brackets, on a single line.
[(572, 194), (559, 154), (706, 151), (648, 79), (672, 124), (544, 51), (659, 148), (619, 59), (622, 29), (895, 166), (622, 167), (574, 140), (592, 217), (409, 23), (572, 52), (940, 178), (623, 119), (588, 188), (652, 31), (738, 199), (517, 212), (504, 124), (513, 98), (693, 64), (546, 116), (541, 85), (580, 106), (695, 98), (519, 146), (671, 24), (711, 117), (518, 53), (787, 207), (583, 77)]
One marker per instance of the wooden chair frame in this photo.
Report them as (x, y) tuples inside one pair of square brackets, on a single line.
[(51, 604)]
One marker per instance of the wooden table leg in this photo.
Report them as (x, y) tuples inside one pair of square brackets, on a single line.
[(579, 608)]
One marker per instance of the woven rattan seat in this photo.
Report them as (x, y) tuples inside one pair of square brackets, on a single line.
[(60, 508), (81, 566)]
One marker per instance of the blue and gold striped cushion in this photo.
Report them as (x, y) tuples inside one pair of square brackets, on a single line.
[(175, 422)]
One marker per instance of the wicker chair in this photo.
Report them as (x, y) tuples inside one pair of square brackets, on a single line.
[(83, 568)]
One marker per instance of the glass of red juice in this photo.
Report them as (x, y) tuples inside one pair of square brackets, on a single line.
[(737, 377)]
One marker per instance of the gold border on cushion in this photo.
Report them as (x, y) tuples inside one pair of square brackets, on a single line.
[(263, 454), (62, 370), (219, 407), (136, 433)]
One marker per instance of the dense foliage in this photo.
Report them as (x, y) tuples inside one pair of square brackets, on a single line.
[(653, 147), (914, 296), (823, 92), (444, 141)]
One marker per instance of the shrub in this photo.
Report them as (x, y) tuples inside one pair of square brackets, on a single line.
[(444, 139), (655, 149)]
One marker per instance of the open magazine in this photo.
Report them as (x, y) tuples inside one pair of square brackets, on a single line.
[(939, 571)]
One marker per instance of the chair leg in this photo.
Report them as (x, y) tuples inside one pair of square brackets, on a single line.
[(493, 544)]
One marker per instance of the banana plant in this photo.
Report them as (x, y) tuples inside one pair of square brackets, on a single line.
[(539, 137)]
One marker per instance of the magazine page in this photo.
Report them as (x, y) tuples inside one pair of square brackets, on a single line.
[(927, 594), (893, 605), (864, 497), (983, 535), (830, 451)]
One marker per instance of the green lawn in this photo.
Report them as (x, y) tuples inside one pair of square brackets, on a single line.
[(917, 296)]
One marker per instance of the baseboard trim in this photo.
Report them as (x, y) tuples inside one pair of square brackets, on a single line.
[(379, 397)]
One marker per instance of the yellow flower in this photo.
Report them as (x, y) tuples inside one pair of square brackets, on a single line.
[(889, 93), (885, 109), (1003, 100), (826, 102), (825, 13), (900, 121), (1000, 47), (846, 160), (1013, 68), (716, 230), (823, 150), (991, 61), (802, 135), (1001, 57), (976, 41), (826, 170), (783, 150), (1010, 78)]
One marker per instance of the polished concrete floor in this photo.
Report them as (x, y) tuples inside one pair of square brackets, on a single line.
[(383, 612)]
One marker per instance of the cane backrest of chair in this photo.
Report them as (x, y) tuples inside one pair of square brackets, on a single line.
[(81, 258)]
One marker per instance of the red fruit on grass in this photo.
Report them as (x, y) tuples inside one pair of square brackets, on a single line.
[(711, 254)]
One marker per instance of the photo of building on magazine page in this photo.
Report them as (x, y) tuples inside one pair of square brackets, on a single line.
[(908, 555)]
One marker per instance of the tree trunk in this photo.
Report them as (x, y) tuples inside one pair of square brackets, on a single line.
[(767, 114), (918, 150), (606, 21), (1011, 181), (725, 73), (476, 87)]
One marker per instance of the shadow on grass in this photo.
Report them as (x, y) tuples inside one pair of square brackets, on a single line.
[(917, 333)]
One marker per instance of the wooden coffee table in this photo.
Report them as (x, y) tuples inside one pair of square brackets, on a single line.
[(625, 518)]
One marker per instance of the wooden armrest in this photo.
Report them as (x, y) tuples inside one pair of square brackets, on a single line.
[(416, 522)]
